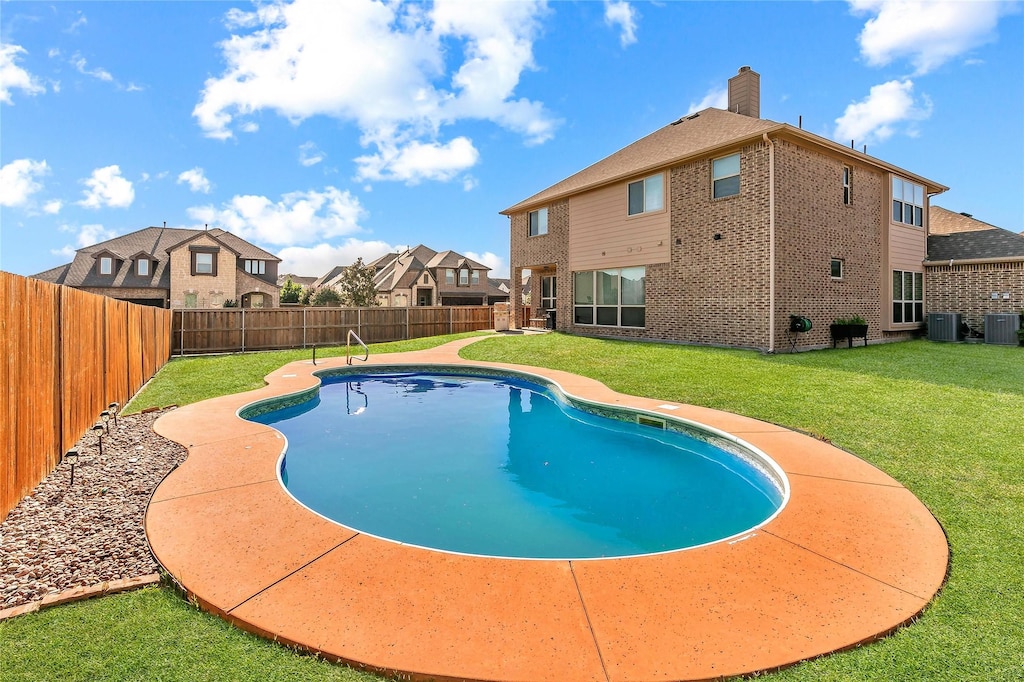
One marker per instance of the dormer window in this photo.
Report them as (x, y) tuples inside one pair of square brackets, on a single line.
[(463, 277), (256, 267), (106, 265), (142, 267)]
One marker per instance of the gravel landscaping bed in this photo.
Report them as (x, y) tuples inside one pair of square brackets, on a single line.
[(63, 536)]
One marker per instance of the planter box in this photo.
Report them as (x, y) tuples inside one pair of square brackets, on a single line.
[(848, 332)]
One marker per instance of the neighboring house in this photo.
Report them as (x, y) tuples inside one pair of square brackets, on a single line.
[(297, 279), (498, 290), (972, 268), (421, 276), (176, 268), (718, 227)]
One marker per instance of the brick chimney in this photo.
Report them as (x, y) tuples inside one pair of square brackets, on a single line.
[(745, 93)]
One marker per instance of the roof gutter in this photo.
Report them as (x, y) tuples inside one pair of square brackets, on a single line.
[(771, 242), (975, 261)]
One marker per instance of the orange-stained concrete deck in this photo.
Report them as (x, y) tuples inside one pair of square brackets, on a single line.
[(851, 557)]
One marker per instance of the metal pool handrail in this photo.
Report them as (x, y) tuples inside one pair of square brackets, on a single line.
[(348, 340)]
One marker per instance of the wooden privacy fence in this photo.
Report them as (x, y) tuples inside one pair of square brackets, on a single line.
[(67, 355), (233, 330)]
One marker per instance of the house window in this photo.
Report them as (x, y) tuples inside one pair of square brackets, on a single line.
[(647, 195), (538, 222), (142, 267), (202, 263), (907, 296), (907, 202), (836, 268), (191, 300), (847, 185), (256, 300), (474, 277), (725, 176), (547, 292), (106, 265), (463, 277), (425, 278), (612, 298), (449, 276), (256, 267)]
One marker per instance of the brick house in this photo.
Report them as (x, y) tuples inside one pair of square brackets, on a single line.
[(973, 268), (421, 276), (719, 226), (176, 268)]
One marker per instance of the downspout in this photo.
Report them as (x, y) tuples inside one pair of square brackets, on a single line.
[(771, 243)]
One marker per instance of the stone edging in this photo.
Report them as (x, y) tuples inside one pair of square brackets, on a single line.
[(80, 593)]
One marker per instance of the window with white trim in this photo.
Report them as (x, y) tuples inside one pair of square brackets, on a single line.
[(847, 185), (836, 268), (538, 222), (907, 296), (203, 263), (256, 267), (646, 195), (142, 267), (463, 277), (106, 265), (449, 276), (907, 202), (610, 298), (725, 176), (474, 277), (548, 291)]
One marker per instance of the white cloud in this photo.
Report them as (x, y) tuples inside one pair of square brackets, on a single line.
[(497, 264), (298, 218), (717, 97), (87, 235), (309, 58), (19, 181), (78, 61), (888, 107), (310, 155), (927, 32), (418, 161), (108, 188), (53, 206), (469, 183), (196, 180), (78, 23), (13, 76), (621, 14), (317, 260)]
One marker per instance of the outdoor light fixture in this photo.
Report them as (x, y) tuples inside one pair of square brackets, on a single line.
[(72, 457), (105, 418), (98, 429), (113, 408)]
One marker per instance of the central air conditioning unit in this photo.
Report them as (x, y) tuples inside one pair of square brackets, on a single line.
[(944, 327), (1001, 329)]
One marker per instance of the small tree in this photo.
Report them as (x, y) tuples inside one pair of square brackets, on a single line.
[(326, 296), (356, 285), (307, 295), (290, 292)]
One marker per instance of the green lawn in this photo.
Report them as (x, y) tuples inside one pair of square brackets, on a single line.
[(946, 420)]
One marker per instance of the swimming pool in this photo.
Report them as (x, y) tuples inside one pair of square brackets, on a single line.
[(502, 466)]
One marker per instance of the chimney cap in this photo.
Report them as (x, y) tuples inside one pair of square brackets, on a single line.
[(744, 68)]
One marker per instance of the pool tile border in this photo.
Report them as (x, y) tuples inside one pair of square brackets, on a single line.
[(819, 577)]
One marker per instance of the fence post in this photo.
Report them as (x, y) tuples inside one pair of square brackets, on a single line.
[(407, 337), (243, 330), (359, 322), (303, 327), (181, 339), (451, 325)]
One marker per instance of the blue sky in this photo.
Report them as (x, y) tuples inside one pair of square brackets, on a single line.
[(323, 131)]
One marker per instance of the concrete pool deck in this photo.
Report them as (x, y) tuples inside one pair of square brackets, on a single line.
[(853, 556)]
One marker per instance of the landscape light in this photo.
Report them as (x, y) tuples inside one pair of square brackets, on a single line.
[(72, 457), (98, 429), (105, 418), (113, 408)]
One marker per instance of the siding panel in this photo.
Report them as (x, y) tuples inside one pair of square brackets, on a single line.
[(601, 235)]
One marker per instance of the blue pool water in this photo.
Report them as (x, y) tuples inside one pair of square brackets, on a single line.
[(502, 467)]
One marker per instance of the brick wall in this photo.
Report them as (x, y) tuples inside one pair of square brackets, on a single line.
[(716, 290), (968, 289), (813, 226), (210, 291)]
